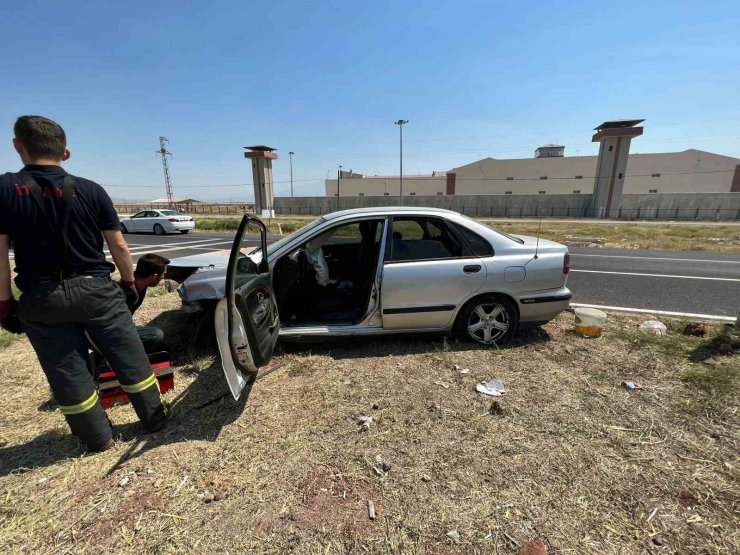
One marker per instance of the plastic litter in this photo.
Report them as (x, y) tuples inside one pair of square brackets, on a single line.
[(654, 326), (590, 322), (632, 386), (494, 388)]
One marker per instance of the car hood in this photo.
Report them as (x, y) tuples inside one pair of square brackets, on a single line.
[(216, 259)]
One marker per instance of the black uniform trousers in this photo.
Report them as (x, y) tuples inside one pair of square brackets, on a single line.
[(56, 316)]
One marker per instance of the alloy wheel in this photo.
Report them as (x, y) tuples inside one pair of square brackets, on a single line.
[(488, 322)]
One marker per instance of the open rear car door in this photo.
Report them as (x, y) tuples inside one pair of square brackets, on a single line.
[(246, 319)]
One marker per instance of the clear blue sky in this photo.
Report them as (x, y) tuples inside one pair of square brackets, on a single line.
[(327, 80)]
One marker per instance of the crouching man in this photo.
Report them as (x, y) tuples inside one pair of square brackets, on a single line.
[(150, 270)]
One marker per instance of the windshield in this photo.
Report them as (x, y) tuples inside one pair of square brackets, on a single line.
[(274, 247), (171, 213)]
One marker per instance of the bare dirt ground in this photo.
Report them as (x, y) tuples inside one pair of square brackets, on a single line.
[(574, 459)]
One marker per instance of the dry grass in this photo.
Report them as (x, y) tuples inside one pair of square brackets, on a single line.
[(718, 238), (575, 459)]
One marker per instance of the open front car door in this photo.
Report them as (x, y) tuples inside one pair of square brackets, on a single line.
[(246, 320)]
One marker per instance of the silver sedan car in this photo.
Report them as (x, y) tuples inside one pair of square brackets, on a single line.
[(373, 271)]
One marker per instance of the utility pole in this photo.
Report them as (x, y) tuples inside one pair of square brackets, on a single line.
[(339, 177), (400, 123), (291, 172), (164, 153)]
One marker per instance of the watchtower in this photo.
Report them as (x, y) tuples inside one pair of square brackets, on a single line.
[(615, 138), (264, 192)]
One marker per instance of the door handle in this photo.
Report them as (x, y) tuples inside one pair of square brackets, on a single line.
[(471, 268)]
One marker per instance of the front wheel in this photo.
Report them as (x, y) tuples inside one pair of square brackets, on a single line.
[(159, 230), (489, 320), (124, 229)]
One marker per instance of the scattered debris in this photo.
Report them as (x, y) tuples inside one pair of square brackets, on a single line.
[(494, 388), (182, 483), (633, 386), (123, 481), (371, 510), (442, 384), (657, 540), (496, 409), (386, 467), (696, 329), (457, 367), (465, 371), (654, 326), (364, 422), (207, 496), (426, 478), (41, 481), (589, 322), (537, 547), (454, 536), (713, 362), (376, 406)]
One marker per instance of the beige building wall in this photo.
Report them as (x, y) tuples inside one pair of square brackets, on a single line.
[(527, 176), (378, 186), (691, 171)]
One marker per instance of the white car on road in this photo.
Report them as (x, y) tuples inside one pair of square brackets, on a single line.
[(158, 222)]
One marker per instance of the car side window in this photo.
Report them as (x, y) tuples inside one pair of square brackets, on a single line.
[(139, 215), (422, 239), (479, 245), (345, 234)]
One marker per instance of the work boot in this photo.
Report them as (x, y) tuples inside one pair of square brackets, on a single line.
[(103, 447)]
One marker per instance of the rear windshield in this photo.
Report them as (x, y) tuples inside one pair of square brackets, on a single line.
[(511, 237)]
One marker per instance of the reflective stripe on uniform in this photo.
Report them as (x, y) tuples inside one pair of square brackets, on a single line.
[(79, 408), (142, 385)]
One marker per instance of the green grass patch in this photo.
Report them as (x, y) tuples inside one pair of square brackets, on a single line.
[(274, 226), (6, 338), (717, 382)]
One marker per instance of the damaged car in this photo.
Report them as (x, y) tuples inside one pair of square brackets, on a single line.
[(372, 271)]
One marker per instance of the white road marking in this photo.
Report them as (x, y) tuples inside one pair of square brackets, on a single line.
[(654, 275), (165, 245), (657, 258), (179, 247), (659, 312)]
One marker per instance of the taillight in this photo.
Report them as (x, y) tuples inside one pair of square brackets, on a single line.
[(173, 220), (566, 263)]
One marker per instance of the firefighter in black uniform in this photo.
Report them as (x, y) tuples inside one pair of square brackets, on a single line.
[(57, 223)]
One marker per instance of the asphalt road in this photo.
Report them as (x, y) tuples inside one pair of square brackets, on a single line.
[(672, 281)]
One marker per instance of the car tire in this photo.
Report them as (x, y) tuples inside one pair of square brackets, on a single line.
[(124, 229), (159, 230), (489, 320), (184, 231)]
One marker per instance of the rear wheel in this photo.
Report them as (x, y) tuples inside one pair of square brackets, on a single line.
[(124, 229), (488, 320), (158, 230)]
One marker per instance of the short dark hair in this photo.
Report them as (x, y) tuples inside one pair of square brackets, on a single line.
[(42, 137), (151, 264)]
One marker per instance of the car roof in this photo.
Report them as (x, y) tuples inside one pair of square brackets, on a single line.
[(382, 210)]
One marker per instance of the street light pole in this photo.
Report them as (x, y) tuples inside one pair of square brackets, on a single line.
[(400, 123), (339, 177), (291, 172)]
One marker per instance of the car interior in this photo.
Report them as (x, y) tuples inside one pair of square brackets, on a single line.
[(351, 252)]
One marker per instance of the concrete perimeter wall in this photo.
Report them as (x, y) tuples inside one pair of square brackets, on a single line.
[(669, 206)]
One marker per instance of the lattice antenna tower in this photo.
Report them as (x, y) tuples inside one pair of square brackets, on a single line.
[(164, 153)]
